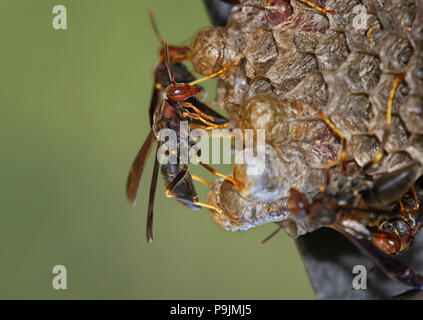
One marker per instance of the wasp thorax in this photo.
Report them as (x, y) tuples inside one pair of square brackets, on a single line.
[(181, 91)]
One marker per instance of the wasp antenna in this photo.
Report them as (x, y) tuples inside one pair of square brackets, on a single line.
[(168, 65), (154, 25)]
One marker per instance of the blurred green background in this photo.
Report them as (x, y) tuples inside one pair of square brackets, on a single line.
[(73, 115)]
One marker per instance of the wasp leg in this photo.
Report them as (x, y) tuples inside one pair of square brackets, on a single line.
[(416, 200), (209, 125), (311, 4), (401, 205), (181, 175), (208, 206), (174, 183), (197, 203), (217, 173), (213, 75), (388, 124), (390, 102), (315, 6), (212, 134), (199, 112), (375, 194), (199, 179), (270, 236), (204, 118), (343, 156)]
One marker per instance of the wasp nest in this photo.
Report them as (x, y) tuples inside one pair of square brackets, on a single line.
[(293, 61)]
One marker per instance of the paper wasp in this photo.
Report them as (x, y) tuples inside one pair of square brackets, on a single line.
[(174, 100), (374, 219), (378, 232), (381, 220), (396, 231)]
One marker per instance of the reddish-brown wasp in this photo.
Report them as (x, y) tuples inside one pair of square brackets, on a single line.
[(396, 231), (179, 104), (375, 219), (395, 228), (382, 220), (177, 55)]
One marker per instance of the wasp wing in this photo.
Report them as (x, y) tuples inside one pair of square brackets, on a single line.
[(151, 199), (137, 168)]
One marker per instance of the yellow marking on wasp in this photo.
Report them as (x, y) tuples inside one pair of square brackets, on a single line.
[(202, 114), (210, 124)]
